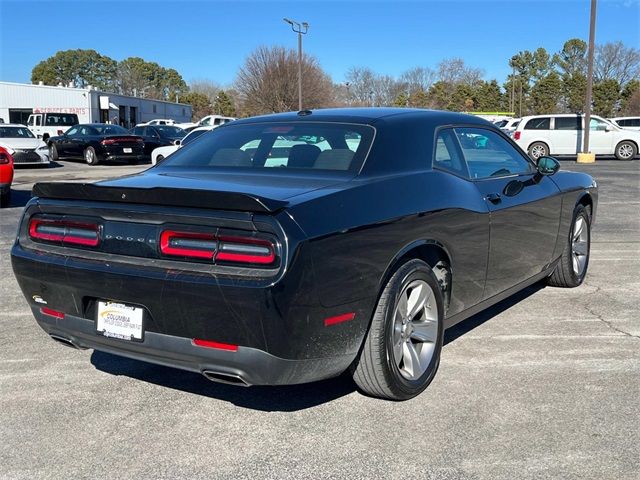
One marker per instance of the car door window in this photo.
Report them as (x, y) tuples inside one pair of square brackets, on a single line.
[(568, 123), (73, 132), (138, 131), (597, 125), (447, 155), (487, 154)]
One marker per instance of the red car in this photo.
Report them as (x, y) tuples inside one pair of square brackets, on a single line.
[(6, 176)]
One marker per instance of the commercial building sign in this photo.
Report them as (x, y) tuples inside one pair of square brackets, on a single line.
[(76, 110)]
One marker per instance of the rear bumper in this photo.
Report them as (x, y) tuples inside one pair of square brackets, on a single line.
[(253, 366), (125, 158)]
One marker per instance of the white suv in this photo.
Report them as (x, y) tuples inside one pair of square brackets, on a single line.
[(541, 135), (632, 123)]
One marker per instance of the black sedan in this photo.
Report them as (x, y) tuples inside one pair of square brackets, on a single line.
[(289, 248), (155, 136), (96, 142)]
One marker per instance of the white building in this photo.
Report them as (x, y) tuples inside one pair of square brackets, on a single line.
[(19, 100)]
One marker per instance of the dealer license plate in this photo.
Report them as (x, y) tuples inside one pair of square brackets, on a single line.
[(117, 320), (127, 150)]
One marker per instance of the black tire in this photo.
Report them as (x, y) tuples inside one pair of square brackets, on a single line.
[(626, 150), (5, 198), (375, 371), (90, 156), (565, 275), (53, 152), (537, 150)]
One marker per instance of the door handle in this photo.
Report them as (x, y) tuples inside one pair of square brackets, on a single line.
[(493, 198)]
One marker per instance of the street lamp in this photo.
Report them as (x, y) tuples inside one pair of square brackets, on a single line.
[(586, 157), (300, 29)]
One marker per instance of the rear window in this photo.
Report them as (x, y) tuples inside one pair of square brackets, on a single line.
[(15, 132), (110, 130), (538, 124), (294, 145), (61, 119)]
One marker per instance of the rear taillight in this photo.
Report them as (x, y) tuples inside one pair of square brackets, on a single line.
[(62, 231), (516, 135), (234, 249), (5, 157), (188, 244), (246, 250), (111, 141)]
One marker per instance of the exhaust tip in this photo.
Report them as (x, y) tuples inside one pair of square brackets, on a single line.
[(64, 341), (228, 378)]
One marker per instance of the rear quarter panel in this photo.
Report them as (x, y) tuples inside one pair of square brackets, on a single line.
[(356, 233)]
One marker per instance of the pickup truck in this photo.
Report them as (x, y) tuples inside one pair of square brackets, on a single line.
[(45, 125)]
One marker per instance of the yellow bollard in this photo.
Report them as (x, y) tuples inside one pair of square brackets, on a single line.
[(586, 158)]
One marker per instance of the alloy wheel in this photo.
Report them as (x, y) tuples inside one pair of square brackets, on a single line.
[(580, 245), (625, 151), (415, 329), (538, 151)]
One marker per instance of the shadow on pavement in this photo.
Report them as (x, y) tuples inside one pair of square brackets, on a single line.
[(283, 398), (269, 399), (478, 319)]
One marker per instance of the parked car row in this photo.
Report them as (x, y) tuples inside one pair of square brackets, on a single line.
[(563, 134)]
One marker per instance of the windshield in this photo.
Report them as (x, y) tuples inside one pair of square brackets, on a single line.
[(169, 131), (110, 129), (15, 132), (192, 136), (291, 145)]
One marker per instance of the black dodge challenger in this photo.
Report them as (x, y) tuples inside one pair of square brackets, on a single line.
[(293, 247)]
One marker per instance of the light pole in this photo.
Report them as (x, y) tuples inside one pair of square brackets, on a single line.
[(300, 29), (587, 106)]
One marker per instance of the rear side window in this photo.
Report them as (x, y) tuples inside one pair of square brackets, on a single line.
[(447, 155), (568, 123), (543, 123), (279, 146), (61, 119), (487, 154)]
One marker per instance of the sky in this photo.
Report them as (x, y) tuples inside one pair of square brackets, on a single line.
[(210, 39)]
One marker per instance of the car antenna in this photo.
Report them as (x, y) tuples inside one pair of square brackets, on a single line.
[(303, 113)]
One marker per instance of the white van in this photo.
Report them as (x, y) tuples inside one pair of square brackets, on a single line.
[(541, 135), (45, 125)]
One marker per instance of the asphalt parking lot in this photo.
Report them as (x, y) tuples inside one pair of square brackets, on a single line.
[(543, 385)]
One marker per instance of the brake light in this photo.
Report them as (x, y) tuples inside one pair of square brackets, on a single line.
[(516, 135), (111, 141), (246, 250), (5, 157), (188, 244), (219, 248), (76, 233)]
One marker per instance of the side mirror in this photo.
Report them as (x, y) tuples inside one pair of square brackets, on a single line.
[(608, 128), (548, 165)]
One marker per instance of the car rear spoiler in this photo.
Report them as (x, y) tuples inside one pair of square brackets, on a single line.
[(217, 200)]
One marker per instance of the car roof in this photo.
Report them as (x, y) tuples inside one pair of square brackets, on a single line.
[(366, 115), (624, 118)]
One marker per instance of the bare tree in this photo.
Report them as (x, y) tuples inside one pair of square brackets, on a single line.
[(417, 79), (615, 61), (206, 87), (268, 82), (454, 71), (360, 82)]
